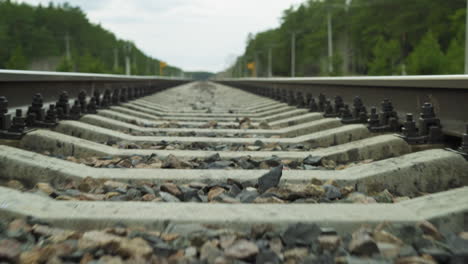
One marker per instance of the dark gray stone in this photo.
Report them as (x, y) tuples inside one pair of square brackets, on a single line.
[(247, 196), (332, 192), (167, 197), (246, 165), (259, 143), (188, 193), (273, 161), (300, 235), (133, 194), (222, 164), (267, 257), (145, 189), (270, 179), (213, 158), (312, 160), (234, 190)]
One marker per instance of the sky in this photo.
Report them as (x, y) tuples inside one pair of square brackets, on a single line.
[(191, 34)]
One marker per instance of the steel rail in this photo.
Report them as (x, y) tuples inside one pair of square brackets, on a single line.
[(448, 93), (20, 86)]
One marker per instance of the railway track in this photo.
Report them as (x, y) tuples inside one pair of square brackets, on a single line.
[(238, 171)]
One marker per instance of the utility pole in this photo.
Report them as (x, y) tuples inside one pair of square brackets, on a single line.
[(330, 43), (270, 62), (148, 72), (116, 59), (128, 49), (135, 64), (466, 40), (256, 66), (293, 54), (67, 47)]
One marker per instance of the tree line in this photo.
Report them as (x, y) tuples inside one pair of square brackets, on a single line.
[(31, 33), (369, 37)]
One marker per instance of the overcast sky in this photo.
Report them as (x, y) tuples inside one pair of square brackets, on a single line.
[(191, 34)]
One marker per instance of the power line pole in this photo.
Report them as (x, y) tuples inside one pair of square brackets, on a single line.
[(148, 72), (116, 59), (466, 40), (330, 43), (270, 62), (293, 54), (256, 66), (128, 49), (67, 47)]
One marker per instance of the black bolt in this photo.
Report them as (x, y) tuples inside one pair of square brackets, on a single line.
[(82, 100), (130, 93), (374, 120), (92, 106), (313, 107), (18, 123), (427, 119), (321, 102), (363, 118), (291, 98), (36, 108), (284, 97), (427, 111), (64, 105), (31, 119), (409, 127), (115, 97), (123, 95), (387, 113), (328, 109), (338, 104), (75, 111), (51, 115), (97, 97), (300, 100), (464, 145), (5, 118), (387, 105), (278, 94), (3, 105), (358, 107), (345, 113), (107, 98), (308, 98)]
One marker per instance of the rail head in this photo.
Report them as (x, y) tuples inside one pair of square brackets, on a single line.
[(447, 93), (19, 87), (415, 81), (47, 76)]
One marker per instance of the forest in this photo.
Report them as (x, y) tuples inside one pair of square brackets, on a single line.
[(63, 36), (369, 37)]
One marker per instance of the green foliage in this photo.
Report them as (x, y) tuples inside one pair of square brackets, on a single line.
[(454, 62), (427, 58), (29, 33), (17, 60), (200, 75), (385, 57), (88, 63), (372, 37), (65, 65)]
